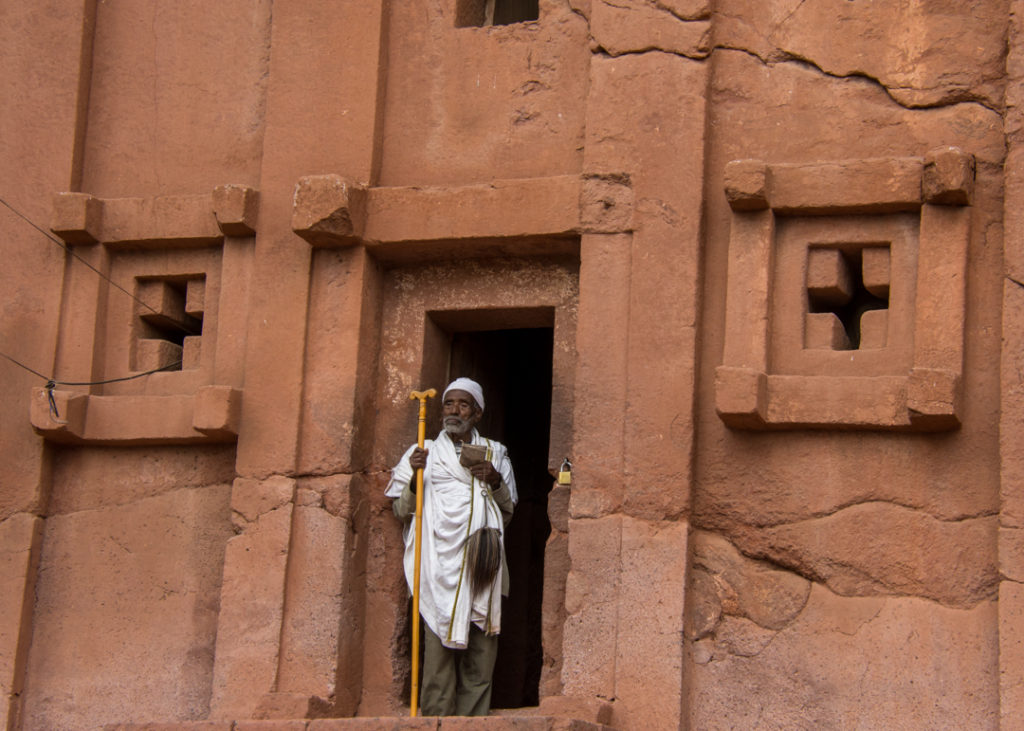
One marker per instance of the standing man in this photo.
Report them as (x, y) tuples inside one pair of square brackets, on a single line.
[(469, 495)]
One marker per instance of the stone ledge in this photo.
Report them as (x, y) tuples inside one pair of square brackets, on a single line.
[(945, 176), (210, 416), (483, 211), (330, 211), (179, 221), (921, 401), (393, 723)]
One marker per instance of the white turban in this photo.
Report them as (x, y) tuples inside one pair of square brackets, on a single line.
[(469, 386)]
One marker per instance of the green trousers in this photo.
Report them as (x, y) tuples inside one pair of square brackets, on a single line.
[(457, 682)]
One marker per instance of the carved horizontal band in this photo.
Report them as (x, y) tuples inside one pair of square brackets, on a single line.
[(211, 415), (927, 400), (184, 220), (945, 176), (328, 210)]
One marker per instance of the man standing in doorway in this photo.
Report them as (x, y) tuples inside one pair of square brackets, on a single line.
[(469, 495)]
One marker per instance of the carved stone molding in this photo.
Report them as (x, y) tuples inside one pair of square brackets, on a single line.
[(846, 293), (179, 221), (331, 211), (151, 335)]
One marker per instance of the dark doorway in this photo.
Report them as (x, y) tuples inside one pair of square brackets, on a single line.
[(514, 368)]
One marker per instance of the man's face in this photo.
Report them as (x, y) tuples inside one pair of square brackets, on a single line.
[(459, 413)]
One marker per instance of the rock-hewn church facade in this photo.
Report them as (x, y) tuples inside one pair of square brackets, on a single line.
[(755, 268)]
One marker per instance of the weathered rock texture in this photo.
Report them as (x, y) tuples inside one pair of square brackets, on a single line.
[(758, 264)]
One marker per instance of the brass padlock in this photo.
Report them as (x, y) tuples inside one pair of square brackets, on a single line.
[(565, 472)]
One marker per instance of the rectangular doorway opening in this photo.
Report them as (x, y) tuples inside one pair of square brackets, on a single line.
[(514, 367)]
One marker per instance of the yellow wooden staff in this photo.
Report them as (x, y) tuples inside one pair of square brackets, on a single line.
[(422, 396)]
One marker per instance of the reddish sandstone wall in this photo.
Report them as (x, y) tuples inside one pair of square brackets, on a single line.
[(130, 577), (762, 530), (472, 105), (895, 533), (40, 149)]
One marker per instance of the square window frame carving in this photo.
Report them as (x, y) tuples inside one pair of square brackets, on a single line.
[(749, 393), (199, 405)]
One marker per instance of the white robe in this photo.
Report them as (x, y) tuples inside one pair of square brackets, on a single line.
[(455, 505)]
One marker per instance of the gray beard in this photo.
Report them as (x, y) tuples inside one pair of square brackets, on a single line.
[(455, 425)]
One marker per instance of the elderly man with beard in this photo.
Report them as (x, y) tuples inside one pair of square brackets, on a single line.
[(469, 494)]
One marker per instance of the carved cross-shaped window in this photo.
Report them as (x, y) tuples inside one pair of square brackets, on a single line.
[(847, 297), (170, 323)]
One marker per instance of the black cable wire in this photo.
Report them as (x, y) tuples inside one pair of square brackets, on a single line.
[(168, 367), (51, 383), (69, 250), (18, 363)]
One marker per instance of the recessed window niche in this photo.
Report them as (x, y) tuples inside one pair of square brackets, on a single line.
[(170, 323), (481, 13), (846, 293), (167, 267)]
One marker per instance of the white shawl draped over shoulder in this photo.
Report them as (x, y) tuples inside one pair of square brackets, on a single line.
[(455, 505)]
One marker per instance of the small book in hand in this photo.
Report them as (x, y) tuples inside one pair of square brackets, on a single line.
[(472, 454)]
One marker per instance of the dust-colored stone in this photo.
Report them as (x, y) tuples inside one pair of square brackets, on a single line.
[(253, 498), (878, 548), (236, 207), (1012, 415), (556, 569), (217, 408), (329, 210), (587, 709), (1011, 553), (591, 605), (746, 185), (307, 498), (600, 379), (312, 616), (336, 493), (923, 53), (531, 85), (269, 726), (430, 723), (181, 726), (85, 480), (284, 705), (796, 677), (630, 26), (649, 622), (1011, 655), (606, 204), (663, 158), (948, 177), (558, 508), (741, 637), (704, 605), (20, 540), (77, 217), (503, 723), (338, 390), (768, 596), (136, 611), (251, 613)]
